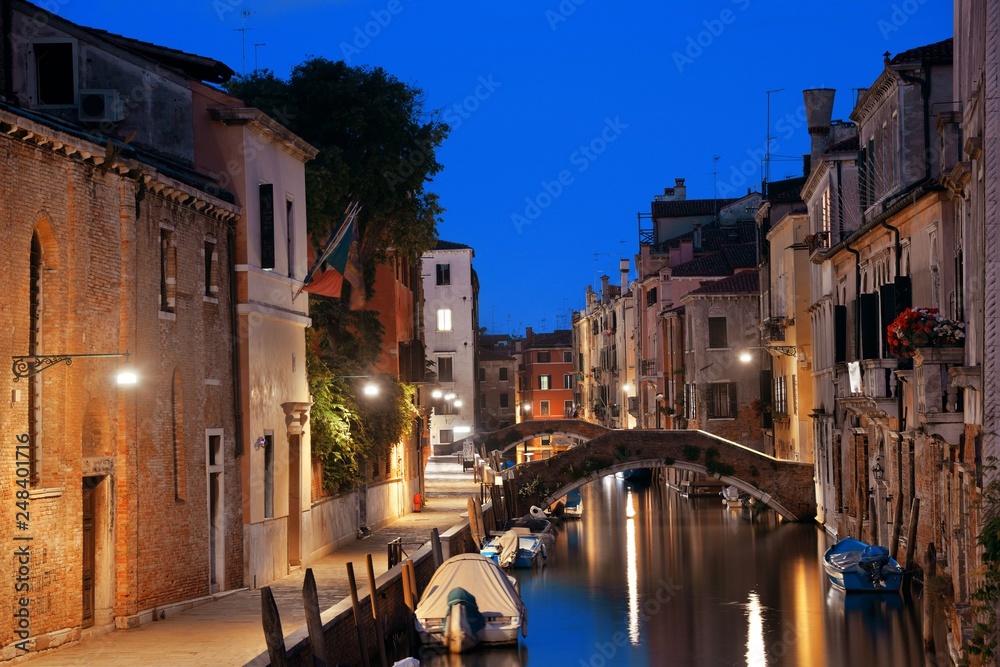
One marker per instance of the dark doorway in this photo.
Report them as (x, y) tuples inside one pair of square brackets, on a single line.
[(89, 483)]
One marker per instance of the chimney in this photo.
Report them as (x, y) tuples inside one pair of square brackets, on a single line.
[(819, 111), (623, 268), (605, 291), (806, 164), (696, 244), (528, 333), (680, 190)]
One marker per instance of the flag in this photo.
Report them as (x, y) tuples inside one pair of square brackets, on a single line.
[(326, 277), (352, 272)]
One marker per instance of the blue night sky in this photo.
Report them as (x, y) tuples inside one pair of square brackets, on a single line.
[(567, 117)]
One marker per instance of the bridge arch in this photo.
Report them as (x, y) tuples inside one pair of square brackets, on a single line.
[(507, 438), (785, 486)]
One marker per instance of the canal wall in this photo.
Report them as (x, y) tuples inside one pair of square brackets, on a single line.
[(339, 631)]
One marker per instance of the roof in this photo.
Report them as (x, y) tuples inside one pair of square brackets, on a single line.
[(850, 144), (714, 236), (786, 190), (492, 355), (557, 338), (448, 245), (744, 282), (686, 207), (938, 52), (194, 66), (720, 263)]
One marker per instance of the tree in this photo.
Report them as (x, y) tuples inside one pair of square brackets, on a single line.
[(376, 146)]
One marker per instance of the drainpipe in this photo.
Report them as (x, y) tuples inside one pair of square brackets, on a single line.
[(235, 333), (857, 294)]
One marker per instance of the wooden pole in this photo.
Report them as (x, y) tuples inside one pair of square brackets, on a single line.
[(474, 525), (911, 533), (310, 602), (436, 548), (408, 585), (930, 570), (413, 583), (358, 620), (897, 526), (272, 629), (373, 599)]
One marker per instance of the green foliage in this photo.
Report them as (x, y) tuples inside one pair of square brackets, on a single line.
[(987, 597), (669, 461), (595, 463), (691, 453), (714, 467), (622, 453), (711, 453), (532, 488), (754, 472)]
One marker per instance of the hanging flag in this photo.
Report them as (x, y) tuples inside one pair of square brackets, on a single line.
[(326, 277), (352, 271)]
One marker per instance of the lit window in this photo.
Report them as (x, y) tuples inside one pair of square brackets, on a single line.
[(444, 319)]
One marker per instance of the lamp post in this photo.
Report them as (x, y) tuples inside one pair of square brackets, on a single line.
[(787, 350), (26, 366)]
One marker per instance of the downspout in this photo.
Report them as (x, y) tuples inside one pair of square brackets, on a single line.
[(857, 295), (234, 333)]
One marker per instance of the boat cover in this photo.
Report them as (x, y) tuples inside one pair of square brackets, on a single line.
[(509, 543), (845, 560), (459, 595), (494, 594)]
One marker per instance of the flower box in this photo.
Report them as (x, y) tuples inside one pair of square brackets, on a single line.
[(923, 327)]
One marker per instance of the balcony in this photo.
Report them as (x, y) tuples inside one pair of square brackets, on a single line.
[(818, 243), (876, 396), (938, 407), (648, 368), (772, 330)]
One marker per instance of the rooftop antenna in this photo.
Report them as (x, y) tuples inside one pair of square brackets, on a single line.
[(258, 44), (767, 140), (244, 15), (715, 184)]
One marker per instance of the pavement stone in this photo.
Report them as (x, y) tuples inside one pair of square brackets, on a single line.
[(228, 631)]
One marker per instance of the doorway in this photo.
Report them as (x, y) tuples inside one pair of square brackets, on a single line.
[(216, 512), (294, 500), (89, 549)]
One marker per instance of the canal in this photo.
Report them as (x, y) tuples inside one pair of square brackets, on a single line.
[(690, 582)]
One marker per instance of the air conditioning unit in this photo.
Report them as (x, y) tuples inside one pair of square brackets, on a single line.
[(101, 106)]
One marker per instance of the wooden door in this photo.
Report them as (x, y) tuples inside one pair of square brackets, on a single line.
[(88, 551)]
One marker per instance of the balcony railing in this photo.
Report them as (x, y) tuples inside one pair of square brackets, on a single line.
[(772, 330), (648, 367)]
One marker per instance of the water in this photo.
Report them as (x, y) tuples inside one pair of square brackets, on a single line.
[(689, 582)]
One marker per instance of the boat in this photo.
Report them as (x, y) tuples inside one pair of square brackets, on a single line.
[(470, 602), (637, 477), (856, 566), (573, 507), (733, 497), (540, 527), (516, 548)]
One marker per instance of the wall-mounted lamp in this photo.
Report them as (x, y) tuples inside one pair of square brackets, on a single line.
[(787, 350), (26, 366), (877, 470), (457, 403), (437, 393), (260, 443), (370, 388)]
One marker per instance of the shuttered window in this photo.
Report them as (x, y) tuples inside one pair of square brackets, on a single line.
[(266, 196)]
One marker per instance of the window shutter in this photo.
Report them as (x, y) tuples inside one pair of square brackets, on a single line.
[(839, 334), (887, 295), (870, 329), (733, 404), (863, 179), (872, 195), (904, 294), (852, 331), (709, 402), (266, 193)]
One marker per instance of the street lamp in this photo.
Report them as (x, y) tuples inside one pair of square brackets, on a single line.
[(26, 366), (370, 388), (877, 470)]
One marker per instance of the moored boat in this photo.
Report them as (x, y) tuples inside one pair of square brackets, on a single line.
[(470, 602), (543, 529), (856, 566), (574, 505), (514, 548)]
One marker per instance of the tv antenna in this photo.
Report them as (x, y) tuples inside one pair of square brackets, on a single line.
[(767, 139), (244, 15)]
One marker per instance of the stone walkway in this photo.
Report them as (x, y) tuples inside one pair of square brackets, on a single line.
[(228, 631)]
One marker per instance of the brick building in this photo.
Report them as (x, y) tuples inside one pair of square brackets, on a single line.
[(546, 379)]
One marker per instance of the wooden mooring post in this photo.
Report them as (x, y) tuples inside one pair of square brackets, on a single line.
[(897, 525), (436, 548), (272, 629), (358, 618), (310, 602), (930, 570), (476, 522), (376, 617), (911, 533), (408, 587)]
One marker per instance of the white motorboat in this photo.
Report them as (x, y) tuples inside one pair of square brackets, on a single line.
[(470, 602)]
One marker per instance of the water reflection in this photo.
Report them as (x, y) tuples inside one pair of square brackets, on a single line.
[(690, 582)]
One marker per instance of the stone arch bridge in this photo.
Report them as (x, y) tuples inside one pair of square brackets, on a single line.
[(785, 486)]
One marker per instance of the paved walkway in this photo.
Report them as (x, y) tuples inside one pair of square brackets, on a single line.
[(228, 631)]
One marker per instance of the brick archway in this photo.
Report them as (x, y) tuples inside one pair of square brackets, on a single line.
[(785, 486)]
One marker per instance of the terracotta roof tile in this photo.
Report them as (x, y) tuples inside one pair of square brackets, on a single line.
[(938, 52), (686, 207), (744, 282)]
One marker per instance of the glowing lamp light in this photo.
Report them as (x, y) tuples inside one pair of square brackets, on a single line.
[(127, 377), (450, 396), (371, 389), (527, 407), (746, 357), (457, 403), (437, 393), (463, 429), (627, 387)]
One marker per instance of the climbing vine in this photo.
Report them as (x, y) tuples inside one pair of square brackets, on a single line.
[(987, 597)]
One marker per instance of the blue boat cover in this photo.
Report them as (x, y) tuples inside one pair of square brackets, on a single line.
[(874, 554)]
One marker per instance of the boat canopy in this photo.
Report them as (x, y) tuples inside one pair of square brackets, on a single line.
[(494, 594)]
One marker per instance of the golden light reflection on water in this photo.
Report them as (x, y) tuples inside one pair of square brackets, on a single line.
[(632, 574), (756, 655)]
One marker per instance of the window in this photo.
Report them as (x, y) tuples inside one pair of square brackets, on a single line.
[(568, 381), (168, 271), (265, 197), (717, 332), (779, 398), (568, 408), (211, 289), (504, 400), (545, 382), (446, 369), (721, 403), (567, 357), (444, 319), (503, 374), (482, 374), (268, 475), (444, 274), (447, 435), (543, 409), (54, 73), (544, 357), (290, 228), (651, 297), (691, 400)]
